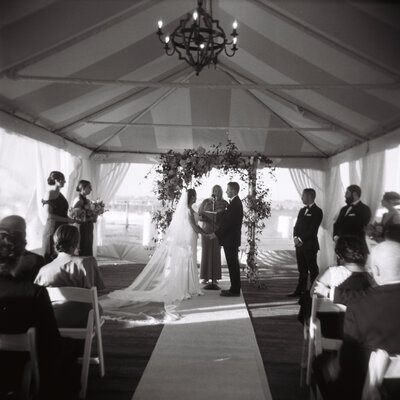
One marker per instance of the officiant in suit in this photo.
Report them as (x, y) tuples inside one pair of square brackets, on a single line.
[(306, 241), (229, 237), (354, 217)]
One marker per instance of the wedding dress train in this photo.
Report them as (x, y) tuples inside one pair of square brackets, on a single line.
[(170, 276)]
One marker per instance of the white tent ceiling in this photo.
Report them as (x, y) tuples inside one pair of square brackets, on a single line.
[(310, 80)]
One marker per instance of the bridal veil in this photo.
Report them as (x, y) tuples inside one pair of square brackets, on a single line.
[(169, 277)]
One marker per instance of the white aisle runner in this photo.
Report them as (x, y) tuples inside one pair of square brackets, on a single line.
[(211, 353)]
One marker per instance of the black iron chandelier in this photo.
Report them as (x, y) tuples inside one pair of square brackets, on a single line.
[(199, 39)]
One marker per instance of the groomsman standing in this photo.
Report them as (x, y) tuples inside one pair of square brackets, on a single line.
[(306, 241), (354, 217)]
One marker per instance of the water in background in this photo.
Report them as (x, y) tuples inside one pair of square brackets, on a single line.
[(128, 222)]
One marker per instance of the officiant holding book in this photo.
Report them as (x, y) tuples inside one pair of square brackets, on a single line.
[(210, 213)]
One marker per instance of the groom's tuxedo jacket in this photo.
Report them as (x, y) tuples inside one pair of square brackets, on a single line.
[(353, 222), (229, 232), (306, 227)]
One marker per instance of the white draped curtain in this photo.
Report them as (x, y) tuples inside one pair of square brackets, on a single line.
[(372, 179), (25, 181), (105, 179), (368, 172), (329, 193)]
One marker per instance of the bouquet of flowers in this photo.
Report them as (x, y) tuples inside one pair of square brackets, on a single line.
[(375, 232), (90, 212), (98, 207), (77, 214)]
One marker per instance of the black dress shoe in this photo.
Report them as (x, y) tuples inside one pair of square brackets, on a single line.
[(295, 294), (228, 293)]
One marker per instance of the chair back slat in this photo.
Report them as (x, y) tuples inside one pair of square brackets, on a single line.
[(81, 295), (381, 366), (24, 342), (393, 370), (92, 329)]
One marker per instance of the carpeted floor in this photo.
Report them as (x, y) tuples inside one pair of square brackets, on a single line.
[(279, 336)]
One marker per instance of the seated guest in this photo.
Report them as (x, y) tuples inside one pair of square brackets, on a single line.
[(24, 305), (372, 322), (29, 263), (68, 270), (350, 274)]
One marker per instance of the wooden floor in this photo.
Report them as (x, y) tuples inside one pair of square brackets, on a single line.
[(279, 336)]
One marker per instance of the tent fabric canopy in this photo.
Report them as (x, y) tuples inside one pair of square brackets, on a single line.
[(310, 80)]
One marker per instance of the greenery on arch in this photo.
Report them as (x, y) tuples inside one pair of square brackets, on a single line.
[(177, 171)]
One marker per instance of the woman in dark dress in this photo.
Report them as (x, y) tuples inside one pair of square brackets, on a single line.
[(85, 227), (56, 206), (377, 230), (210, 268), (350, 274)]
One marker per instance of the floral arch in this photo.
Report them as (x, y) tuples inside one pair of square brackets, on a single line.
[(177, 171)]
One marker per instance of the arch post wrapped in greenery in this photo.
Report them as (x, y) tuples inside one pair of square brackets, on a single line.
[(177, 171)]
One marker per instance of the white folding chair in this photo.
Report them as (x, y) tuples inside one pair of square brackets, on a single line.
[(92, 329), (24, 342), (316, 342), (381, 366)]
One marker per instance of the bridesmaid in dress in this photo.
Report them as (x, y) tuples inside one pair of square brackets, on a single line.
[(56, 206), (390, 200), (84, 188), (210, 268), (377, 230)]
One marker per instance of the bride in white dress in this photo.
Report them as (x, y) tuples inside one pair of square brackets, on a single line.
[(170, 276)]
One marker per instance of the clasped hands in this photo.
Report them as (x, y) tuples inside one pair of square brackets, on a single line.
[(210, 235)]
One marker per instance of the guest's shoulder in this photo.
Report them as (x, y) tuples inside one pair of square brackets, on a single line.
[(20, 287), (84, 261)]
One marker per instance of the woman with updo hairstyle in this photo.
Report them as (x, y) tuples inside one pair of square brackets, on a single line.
[(350, 274), (377, 230), (391, 201), (82, 203), (56, 207)]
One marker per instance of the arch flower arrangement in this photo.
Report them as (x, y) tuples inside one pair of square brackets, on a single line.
[(177, 171)]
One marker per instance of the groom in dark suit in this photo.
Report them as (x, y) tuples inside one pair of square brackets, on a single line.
[(306, 241), (229, 237), (354, 217)]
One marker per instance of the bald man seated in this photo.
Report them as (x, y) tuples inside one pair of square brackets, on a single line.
[(29, 263), (372, 322)]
